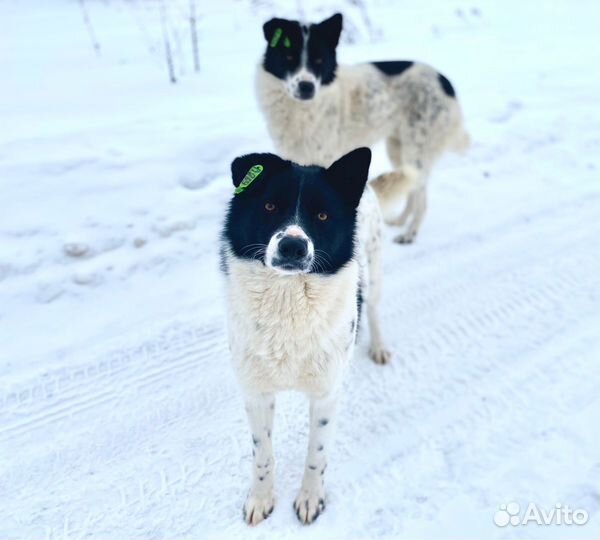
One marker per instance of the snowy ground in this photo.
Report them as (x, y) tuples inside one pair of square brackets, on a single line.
[(119, 413)]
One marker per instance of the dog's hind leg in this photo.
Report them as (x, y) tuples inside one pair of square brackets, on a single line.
[(409, 209), (369, 260), (259, 503), (310, 501), (392, 186), (377, 350), (420, 207)]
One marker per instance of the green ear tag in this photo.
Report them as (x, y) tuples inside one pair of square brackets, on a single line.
[(276, 37), (252, 174), (286, 42)]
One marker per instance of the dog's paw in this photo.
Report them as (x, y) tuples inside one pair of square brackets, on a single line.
[(257, 508), (406, 238), (380, 355), (309, 505)]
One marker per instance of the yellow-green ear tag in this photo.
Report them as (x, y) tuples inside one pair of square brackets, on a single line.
[(276, 37), (252, 174)]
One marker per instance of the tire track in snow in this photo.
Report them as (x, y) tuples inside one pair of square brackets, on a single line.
[(68, 393), (453, 422)]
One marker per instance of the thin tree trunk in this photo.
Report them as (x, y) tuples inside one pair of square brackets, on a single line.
[(178, 53), (88, 24), (194, 34), (168, 53)]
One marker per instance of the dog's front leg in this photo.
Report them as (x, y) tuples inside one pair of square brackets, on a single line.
[(259, 503), (310, 501)]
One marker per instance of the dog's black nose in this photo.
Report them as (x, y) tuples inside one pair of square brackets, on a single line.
[(292, 248), (306, 89)]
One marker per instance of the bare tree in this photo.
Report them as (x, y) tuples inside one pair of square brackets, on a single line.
[(168, 53), (178, 51), (88, 24), (194, 35)]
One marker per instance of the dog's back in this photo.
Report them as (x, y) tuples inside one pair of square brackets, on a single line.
[(415, 109)]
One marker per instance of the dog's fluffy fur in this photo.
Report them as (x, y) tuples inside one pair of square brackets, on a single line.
[(410, 105), (293, 315)]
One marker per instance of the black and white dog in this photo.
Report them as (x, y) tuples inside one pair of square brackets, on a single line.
[(316, 111), (291, 259)]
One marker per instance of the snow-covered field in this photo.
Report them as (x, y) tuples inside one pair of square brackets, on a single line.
[(119, 412)]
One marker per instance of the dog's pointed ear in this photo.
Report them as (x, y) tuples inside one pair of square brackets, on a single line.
[(349, 174), (250, 170), (270, 27), (331, 28)]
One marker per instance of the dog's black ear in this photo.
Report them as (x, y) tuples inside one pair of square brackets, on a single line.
[(349, 174), (250, 170), (331, 29), (270, 27)]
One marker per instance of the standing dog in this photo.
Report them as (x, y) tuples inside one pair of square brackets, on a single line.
[(291, 258), (316, 111)]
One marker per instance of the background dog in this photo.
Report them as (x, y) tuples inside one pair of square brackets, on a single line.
[(291, 261), (317, 111)]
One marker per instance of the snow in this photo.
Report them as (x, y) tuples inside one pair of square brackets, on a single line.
[(119, 412)]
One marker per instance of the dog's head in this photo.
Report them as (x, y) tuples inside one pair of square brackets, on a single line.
[(302, 55), (295, 219)]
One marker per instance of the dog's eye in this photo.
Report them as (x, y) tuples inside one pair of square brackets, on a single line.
[(269, 207), (322, 216), (318, 60)]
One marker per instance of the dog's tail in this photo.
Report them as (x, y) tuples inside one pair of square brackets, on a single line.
[(392, 186), (460, 142)]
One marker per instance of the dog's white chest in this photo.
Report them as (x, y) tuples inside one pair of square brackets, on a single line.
[(290, 332), (355, 110), (305, 133)]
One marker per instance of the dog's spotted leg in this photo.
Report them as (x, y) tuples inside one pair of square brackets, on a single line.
[(310, 501), (259, 503)]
